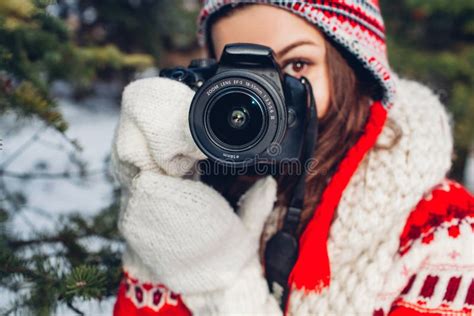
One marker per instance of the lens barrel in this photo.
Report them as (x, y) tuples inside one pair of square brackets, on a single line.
[(236, 115)]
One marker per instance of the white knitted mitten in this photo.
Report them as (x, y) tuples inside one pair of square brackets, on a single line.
[(153, 131), (181, 231)]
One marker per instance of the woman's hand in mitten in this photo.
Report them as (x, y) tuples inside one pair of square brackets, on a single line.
[(188, 235), (153, 131)]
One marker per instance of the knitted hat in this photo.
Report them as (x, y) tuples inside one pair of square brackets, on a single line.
[(357, 25)]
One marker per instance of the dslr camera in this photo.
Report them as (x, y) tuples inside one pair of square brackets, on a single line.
[(245, 110)]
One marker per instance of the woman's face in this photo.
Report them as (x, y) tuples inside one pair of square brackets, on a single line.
[(299, 46)]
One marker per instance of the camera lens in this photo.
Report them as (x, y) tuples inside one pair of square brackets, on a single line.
[(236, 118)]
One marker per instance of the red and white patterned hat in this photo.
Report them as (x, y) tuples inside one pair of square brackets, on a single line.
[(357, 25)]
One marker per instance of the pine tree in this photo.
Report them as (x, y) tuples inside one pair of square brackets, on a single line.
[(48, 269), (36, 49)]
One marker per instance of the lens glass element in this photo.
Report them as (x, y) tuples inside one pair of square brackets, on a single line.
[(236, 118)]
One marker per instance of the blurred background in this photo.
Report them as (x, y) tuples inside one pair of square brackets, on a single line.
[(63, 65)]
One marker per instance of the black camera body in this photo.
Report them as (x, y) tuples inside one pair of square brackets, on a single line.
[(245, 110)]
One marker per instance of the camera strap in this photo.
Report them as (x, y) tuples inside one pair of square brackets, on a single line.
[(281, 251)]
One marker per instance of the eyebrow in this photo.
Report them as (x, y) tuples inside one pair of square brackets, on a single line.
[(286, 49)]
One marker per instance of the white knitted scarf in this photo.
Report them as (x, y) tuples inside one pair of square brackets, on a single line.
[(364, 236)]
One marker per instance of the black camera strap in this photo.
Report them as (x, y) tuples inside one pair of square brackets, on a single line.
[(281, 251)]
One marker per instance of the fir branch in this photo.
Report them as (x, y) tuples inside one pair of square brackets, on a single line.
[(21, 149)]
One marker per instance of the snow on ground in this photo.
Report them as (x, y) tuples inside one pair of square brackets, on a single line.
[(93, 128), (92, 123)]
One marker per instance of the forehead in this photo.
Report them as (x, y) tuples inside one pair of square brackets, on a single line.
[(262, 24)]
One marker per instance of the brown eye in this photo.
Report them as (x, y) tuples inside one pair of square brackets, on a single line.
[(295, 68)]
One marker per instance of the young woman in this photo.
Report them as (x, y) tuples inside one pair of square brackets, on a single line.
[(382, 231)]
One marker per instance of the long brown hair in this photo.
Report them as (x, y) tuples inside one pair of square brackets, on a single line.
[(351, 90)]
